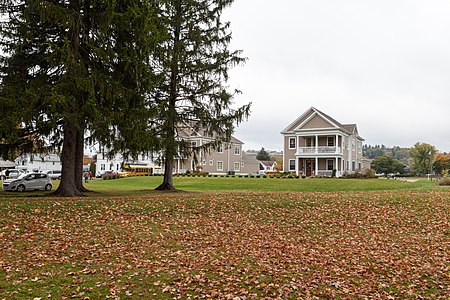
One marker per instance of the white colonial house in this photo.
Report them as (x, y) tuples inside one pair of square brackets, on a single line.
[(315, 144), (114, 164), (38, 162)]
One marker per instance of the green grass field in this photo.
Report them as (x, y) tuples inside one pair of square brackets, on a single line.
[(229, 238), (259, 184)]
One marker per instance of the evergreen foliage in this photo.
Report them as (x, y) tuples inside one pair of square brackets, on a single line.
[(72, 66), (262, 155), (193, 62)]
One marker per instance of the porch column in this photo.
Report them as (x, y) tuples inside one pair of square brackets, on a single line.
[(336, 145), (317, 166), (317, 143), (337, 166)]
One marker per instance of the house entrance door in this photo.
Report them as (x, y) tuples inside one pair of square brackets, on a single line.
[(309, 166)]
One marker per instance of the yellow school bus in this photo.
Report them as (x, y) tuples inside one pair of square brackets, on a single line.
[(136, 170)]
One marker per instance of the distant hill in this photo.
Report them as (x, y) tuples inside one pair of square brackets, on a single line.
[(396, 152)]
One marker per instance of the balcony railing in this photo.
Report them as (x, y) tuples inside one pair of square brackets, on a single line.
[(320, 150)]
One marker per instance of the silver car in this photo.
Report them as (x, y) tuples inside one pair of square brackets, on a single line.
[(30, 181)]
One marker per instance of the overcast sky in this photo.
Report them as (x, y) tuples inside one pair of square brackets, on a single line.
[(381, 64)]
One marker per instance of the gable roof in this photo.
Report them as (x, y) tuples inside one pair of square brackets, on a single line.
[(310, 113), (267, 163), (186, 130)]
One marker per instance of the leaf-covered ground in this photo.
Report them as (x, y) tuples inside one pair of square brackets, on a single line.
[(249, 245)]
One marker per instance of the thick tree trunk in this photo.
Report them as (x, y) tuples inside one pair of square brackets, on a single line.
[(67, 186), (167, 184), (79, 161)]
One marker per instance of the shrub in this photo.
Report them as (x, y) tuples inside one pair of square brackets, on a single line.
[(445, 180), (275, 175), (369, 173), (109, 176)]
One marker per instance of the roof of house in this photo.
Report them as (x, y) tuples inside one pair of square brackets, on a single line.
[(7, 164), (347, 128), (187, 130), (267, 163)]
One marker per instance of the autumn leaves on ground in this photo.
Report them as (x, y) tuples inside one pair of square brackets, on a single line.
[(234, 245)]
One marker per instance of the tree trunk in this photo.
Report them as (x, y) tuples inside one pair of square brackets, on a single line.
[(167, 184), (171, 145), (78, 175), (67, 186)]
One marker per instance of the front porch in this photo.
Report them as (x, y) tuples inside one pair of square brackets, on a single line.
[(319, 166)]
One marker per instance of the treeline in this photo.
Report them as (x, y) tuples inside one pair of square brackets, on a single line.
[(422, 159), (398, 153)]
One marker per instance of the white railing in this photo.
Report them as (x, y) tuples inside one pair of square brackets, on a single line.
[(320, 150), (325, 173)]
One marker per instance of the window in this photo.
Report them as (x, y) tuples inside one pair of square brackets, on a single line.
[(204, 162), (211, 162), (237, 150), (353, 166), (330, 141), (292, 165), (194, 144), (237, 166), (310, 142), (292, 143), (102, 167), (220, 148), (220, 166), (330, 164)]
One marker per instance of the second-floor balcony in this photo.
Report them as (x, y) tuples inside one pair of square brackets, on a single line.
[(320, 150)]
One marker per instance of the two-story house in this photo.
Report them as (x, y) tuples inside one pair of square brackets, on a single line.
[(224, 160), (315, 144)]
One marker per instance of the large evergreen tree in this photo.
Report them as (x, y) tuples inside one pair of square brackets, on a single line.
[(193, 62), (72, 66), (262, 155)]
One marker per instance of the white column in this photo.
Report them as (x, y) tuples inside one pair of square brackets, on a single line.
[(317, 167), (336, 145), (317, 143), (336, 166)]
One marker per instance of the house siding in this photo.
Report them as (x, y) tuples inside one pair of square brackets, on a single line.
[(317, 122)]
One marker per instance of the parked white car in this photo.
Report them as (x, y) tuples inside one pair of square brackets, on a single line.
[(30, 181), (53, 174), (11, 173)]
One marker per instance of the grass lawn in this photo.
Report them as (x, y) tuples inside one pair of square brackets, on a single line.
[(228, 238)]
